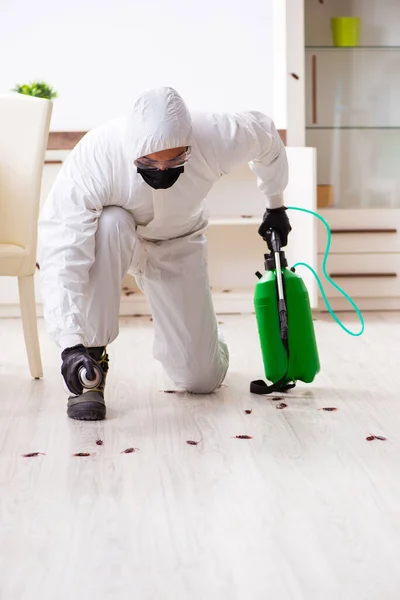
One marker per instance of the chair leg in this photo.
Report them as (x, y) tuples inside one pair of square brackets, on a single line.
[(29, 323)]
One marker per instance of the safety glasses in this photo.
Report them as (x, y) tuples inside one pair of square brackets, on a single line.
[(172, 163)]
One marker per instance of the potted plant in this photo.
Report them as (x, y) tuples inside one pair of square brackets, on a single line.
[(40, 89)]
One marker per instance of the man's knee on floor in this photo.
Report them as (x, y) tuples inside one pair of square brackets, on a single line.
[(205, 381)]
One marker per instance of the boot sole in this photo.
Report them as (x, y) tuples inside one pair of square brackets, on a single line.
[(87, 411)]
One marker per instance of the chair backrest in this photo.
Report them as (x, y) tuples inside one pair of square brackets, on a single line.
[(24, 131)]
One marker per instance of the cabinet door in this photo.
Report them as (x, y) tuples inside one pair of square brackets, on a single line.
[(356, 231), (353, 87), (363, 276), (360, 164)]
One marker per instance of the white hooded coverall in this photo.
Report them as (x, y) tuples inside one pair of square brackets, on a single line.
[(102, 220)]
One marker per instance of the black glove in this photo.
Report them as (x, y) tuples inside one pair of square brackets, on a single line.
[(73, 359), (275, 218)]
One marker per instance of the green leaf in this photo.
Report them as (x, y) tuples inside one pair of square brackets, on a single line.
[(39, 89)]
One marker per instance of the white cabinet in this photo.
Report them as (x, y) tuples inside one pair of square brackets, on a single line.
[(365, 275), (352, 87), (360, 164), (351, 97), (364, 259)]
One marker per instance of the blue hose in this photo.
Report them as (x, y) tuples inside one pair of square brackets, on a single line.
[(324, 261)]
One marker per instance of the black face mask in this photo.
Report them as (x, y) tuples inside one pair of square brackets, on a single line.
[(160, 180)]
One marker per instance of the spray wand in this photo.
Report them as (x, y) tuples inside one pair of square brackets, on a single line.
[(276, 248)]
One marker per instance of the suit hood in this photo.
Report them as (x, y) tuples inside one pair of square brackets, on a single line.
[(159, 120)]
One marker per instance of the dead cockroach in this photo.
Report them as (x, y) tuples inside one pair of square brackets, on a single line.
[(281, 405), (248, 411), (129, 450), (242, 437), (193, 443), (295, 76), (375, 437), (32, 454), (328, 408), (99, 442), (82, 454)]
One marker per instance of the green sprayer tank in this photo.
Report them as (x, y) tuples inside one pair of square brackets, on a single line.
[(285, 325)]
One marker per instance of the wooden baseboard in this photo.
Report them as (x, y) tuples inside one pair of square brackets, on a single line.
[(67, 140), (64, 140)]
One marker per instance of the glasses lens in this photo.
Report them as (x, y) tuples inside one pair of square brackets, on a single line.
[(172, 163)]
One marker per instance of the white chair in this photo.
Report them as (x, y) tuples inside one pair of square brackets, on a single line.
[(24, 131)]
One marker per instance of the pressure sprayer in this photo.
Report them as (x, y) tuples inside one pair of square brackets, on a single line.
[(284, 318)]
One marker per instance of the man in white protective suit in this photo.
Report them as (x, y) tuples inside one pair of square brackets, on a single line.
[(130, 198)]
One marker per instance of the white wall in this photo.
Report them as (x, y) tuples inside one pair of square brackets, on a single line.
[(99, 55)]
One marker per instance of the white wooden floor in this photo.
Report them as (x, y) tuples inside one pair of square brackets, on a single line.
[(307, 509)]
